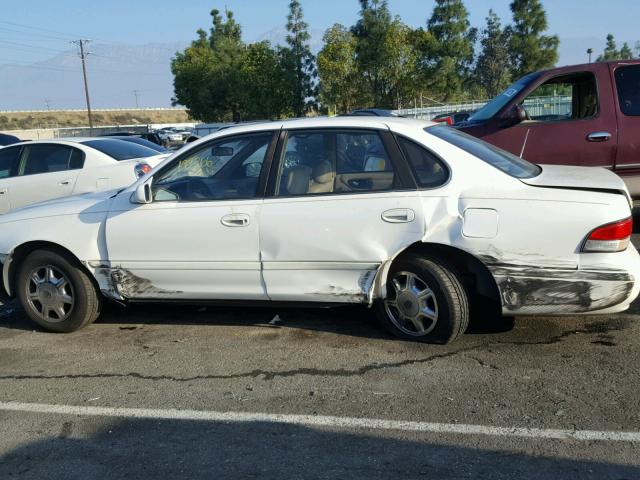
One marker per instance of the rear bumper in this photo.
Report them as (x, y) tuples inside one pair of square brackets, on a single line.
[(604, 283)]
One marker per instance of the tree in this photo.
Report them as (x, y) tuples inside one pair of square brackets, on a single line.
[(492, 67), (219, 78), (530, 49), (337, 68), (300, 61), (452, 52), (384, 57), (611, 51)]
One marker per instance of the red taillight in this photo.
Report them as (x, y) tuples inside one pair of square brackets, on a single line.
[(142, 169), (612, 237)]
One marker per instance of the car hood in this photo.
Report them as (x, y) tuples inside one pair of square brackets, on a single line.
[(86, 203), (577, 178)]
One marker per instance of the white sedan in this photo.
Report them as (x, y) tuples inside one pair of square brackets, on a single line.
[(416, 220), (32, 172)]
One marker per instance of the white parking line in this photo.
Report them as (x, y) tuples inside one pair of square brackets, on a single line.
[(323, 421)]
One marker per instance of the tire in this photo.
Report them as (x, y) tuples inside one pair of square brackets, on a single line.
[(426, 301), (55, 293)]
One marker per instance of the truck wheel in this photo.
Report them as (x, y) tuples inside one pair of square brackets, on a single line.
[(56, 294), (426, 301)]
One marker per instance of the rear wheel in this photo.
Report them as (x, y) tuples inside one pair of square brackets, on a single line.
[(55, 293), (426, 301)]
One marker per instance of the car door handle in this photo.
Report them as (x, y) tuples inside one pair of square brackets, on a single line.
[(3, 191), (65, 182), (599, 136), (398, 215), (235, 220)]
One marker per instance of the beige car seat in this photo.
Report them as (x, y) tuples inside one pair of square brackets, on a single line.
[(296, 180), (322, 178)]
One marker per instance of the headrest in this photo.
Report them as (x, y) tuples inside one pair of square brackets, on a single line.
[(297, 179), (323, 172)]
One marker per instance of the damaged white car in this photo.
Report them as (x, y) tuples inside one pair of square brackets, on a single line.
[(413, 219)]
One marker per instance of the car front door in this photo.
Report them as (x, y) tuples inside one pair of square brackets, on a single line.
[(9, 161), (340, 203), (47, 171), (199, 237), (569, 122)]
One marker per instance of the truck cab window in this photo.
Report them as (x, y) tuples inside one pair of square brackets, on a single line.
[(567, 97)]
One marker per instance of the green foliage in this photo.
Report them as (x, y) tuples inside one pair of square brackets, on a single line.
[(450, 55), (299, 62), (611, 51), (530, 49), (219, 78), (492, 67), (337, 66)]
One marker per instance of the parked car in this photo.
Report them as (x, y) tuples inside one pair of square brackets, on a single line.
[(415, 219), (170, 137), (141, 141), (453, 118), (373, 112), (33, 172), (152, 137), (6, 139), (587, 115)]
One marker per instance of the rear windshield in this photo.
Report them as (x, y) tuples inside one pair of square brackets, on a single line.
[(120, 150), (494, 156)]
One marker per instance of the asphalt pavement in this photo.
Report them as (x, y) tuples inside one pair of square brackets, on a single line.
[(186, 392)]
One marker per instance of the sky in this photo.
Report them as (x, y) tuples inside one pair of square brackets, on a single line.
[(38, 32)]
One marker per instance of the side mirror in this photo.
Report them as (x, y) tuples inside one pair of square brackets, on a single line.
[(142, 193), (252, 170), (516, 114)]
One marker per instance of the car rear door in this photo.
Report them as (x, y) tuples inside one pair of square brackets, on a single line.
[(627, 97), (47, 171), (9, 161), (340, 203), (198, 239)]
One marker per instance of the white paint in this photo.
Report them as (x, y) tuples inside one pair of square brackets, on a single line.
[(319, 248), (480, 223), (324, 421)]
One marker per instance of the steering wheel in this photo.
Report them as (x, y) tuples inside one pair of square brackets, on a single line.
[(198, 189)]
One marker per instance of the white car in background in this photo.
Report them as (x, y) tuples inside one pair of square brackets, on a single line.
[(416, 220), (171, 137), (32, 172)]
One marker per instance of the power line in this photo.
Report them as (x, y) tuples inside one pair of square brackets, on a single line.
[(136, 93), (83, 55)]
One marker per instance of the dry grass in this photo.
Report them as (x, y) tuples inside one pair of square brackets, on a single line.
[(59, 119)]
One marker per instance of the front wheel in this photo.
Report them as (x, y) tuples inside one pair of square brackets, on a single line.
[(426, 301), (56, 294)]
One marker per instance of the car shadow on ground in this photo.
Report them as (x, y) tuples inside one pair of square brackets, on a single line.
[(356, 321), (149, 448)]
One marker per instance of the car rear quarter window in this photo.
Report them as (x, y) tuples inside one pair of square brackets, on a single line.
[(428, 169), (47, 158), (494, 156), (119, 149), (9, 158), (628, 86)]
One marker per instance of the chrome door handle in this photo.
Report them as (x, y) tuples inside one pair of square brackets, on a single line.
[(235, 220), (3, 191), (599, 136), (398, 215)]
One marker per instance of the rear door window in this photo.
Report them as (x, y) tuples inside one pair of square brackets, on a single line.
[(9, 158), (316, 162), (628, 86), (47, 158)]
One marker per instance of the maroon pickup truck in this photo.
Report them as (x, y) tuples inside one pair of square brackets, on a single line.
[(585, 115)]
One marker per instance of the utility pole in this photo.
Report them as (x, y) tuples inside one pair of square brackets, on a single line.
[(136, 93), (589, 52), (47, 102), (83, 55)]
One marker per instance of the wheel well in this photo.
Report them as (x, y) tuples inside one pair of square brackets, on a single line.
[(476, 276), (21, 252)]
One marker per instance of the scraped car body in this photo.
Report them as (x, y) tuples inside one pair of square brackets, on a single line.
[(518, 240)]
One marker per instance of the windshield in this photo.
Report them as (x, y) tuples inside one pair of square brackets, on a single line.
[(494, 156), (121, 150), (495, 105)]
